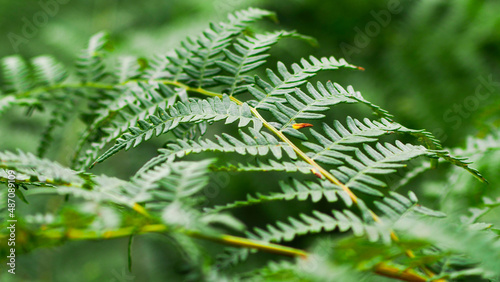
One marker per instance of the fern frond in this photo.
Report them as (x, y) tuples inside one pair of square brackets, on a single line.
[(381, 160), (35, 170), (339, 139), (128, 68), (476, 146), (308, 107), (166, 119), (58, 117), (47, 71), (477, 212), (395, 206), (480, 248), (267, 94), (300, 191), (90, 66), (136, 103), (462, 162), (8, 101), (271, 165), (157, 68), (343, 221), (250, 56), (16, 75), (197, 57), (257, 143), (169, 182)]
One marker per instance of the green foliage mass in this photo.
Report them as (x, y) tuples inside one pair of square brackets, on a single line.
[(336, 213)]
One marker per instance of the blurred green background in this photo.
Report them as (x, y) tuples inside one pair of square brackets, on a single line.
[(434, 64)]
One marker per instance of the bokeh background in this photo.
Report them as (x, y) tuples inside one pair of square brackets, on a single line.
[(434, 64)]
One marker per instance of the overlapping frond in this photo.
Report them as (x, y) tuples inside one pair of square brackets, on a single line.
[(7, 101), (58, 118), (381, 160), (90, 65), (16, 75), (257, 143), (166, 119), (196, 60), (343, 221), (296, 190), (249, 54), (33, 170), (268, 94), (127, 68), (393, 207), (334, 141), (170, 182), (271, 165), (307, 107), (138, 101), (47, 71)]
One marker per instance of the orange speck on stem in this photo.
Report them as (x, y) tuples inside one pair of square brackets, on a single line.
[(315, 172), (301, 125)]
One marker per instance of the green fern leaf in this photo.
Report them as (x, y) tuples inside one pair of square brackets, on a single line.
[(267, 94), (136, 103), (260, 144), (47, 71), (16, 75), (128, 68), (300, 191), (270, 165), (197, 57), (90, 66), (308, 107), (58, 118), (8, 101), (33, 170), (383, 160), (166, 119), (251, 55), (462, 162), (340, 139)]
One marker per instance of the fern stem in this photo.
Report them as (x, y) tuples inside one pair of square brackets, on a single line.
[(248, 243), (392, 272), (303, 155), (78, 234)]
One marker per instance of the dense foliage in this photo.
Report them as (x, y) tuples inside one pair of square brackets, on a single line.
[(342, 183)]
